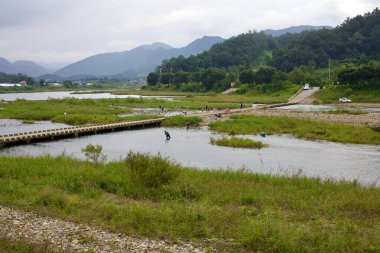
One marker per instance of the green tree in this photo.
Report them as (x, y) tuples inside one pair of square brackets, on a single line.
[(211, 78), (166, 78), (153, 78), (247, 76), (181, 77), (264, 75)]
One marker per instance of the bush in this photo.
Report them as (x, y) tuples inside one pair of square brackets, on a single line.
[(94, 153), (151, 171)]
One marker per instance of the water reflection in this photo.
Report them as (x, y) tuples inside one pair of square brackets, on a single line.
[(285, 155)]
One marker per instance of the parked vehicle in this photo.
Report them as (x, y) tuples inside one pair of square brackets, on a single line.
[(306, 87), (344, 100)]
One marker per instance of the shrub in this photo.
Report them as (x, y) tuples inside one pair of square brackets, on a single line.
[(151, 171), (94, 153)]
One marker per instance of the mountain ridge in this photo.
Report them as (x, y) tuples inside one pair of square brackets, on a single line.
[(29, 68), (138, 62)]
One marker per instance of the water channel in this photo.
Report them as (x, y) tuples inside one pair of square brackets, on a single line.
[(285, 155), (67, 94)]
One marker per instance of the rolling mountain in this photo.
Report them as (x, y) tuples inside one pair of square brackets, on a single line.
[(26, 67), (294, 29), (137, 62)]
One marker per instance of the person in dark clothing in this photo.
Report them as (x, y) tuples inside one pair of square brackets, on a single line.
[(167, 135)]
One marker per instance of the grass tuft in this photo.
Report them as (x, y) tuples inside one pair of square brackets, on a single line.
[(236, 142)]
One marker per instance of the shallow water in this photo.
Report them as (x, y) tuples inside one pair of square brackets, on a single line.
[(66, 94), (285, 154), (11, 126)]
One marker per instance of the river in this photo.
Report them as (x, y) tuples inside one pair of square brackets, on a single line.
[(67, 94), (285, 155)]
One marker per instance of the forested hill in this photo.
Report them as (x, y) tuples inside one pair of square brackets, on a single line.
[(356, 39)]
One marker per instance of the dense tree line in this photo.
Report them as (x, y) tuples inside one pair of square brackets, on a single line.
[(15, 78), (363, 76), (250, 47), (357, 38), (244, 57)]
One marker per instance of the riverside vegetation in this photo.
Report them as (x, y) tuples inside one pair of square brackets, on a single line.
[(82, 111), (236, 142), (331, 94), (308, 129), (144, 195)]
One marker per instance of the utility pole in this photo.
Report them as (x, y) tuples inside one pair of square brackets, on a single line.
[(329, 72)]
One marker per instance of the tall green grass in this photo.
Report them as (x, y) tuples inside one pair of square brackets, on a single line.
[(308, 129), (181, 121), (82, 111), (238, 211), (69, 110), (236, 142)]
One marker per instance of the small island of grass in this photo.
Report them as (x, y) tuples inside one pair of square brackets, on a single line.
[(236, 142)]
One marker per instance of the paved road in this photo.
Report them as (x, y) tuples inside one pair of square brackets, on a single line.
[(304, 96)]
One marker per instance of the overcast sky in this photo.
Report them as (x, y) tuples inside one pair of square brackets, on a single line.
[(64, 31)]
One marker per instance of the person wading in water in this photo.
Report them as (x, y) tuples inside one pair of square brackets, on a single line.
[(167, 135)]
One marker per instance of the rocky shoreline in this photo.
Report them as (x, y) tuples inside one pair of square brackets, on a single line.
[(67, 236)]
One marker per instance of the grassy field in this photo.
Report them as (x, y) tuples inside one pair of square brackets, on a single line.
[(331, 95), (236, 142), (78, 111), (154, 197), (82, 111), (313, 130)]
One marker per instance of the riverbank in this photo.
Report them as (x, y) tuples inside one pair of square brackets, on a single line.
[(48, 234), (231, 211), (369, 119)]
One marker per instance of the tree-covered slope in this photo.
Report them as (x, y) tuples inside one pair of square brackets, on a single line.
[(356, 39)]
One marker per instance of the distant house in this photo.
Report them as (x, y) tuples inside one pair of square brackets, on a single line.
[(51, 82), (23, 83)]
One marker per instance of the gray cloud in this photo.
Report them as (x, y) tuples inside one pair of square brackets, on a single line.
[(63, 31)]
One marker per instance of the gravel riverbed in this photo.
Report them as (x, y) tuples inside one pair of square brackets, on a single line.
[(71, 237), (370, 119)]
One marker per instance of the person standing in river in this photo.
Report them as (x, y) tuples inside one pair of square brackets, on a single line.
[(167, 135)]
